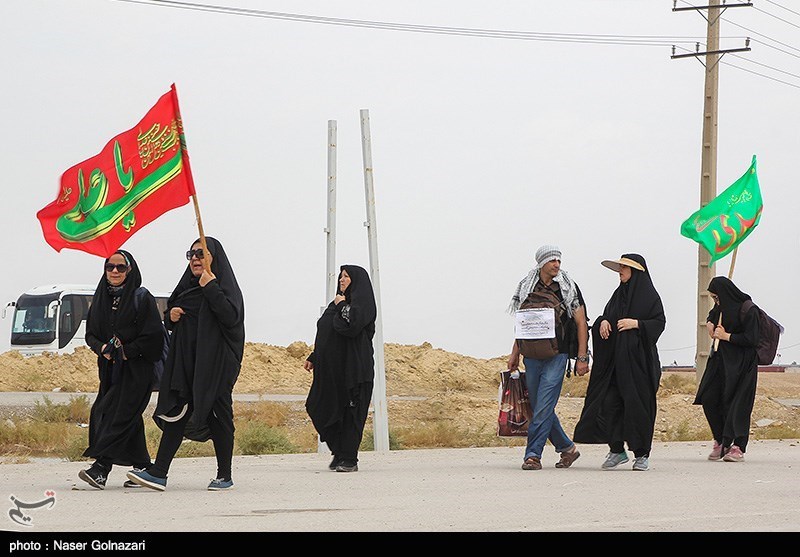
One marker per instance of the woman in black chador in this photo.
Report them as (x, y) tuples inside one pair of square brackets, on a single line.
[(620, 405), (344, 368), (127, 337), (206, 315), (727, 389)]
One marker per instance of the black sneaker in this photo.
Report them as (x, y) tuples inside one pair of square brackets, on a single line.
[(336, 461), (345, 466), (220, 484), (130, 484), (146, 479), (94, 477)]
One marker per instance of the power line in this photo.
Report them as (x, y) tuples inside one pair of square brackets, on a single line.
[(627, 40), (776, 48), (764, 65), (753, 32), (784, 7), (634, 40), (762, 35), (762, 75), (756, 73), (776, 17)]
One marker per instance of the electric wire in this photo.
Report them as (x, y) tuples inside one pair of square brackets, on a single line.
[(627, 40)]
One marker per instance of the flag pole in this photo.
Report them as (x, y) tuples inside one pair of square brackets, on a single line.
[(190, 177), (206, 264), (733, 262)]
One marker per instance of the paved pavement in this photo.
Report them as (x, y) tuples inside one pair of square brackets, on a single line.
[(409, 491), (426, 490)]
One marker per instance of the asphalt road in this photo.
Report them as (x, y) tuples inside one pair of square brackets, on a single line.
[(415, 491), (427, 491)]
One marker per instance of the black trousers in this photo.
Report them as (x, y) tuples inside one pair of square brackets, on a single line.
[(716, 411), (220, 422), (344, 438), (614, 411)]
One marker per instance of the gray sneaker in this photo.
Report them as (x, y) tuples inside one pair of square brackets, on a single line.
[(614, 459), (641, 464)]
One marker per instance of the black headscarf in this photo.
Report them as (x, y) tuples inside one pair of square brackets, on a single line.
[(634, 299), (730, 303), (101, 321), (216, 338)]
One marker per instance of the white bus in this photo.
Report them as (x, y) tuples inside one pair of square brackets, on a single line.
[(52, 318)]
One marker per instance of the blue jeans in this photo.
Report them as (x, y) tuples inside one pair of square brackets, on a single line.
[(544, 379)]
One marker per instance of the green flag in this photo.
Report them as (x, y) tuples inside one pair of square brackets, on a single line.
[(729, 218)]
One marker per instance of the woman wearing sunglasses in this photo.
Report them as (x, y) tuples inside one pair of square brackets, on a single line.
[(195, 400), (127, 337)]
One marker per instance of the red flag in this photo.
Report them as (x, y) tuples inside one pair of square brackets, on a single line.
[(138, 176)]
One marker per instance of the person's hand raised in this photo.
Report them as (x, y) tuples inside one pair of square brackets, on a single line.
[(206, 277)]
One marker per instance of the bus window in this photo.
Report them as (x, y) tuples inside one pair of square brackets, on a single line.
[(34, 320), (74, 308)]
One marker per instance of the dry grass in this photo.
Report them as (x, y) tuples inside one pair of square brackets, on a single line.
[(458, 404)]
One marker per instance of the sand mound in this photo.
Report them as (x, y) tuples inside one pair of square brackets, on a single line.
[(410, 370), (453, 386)]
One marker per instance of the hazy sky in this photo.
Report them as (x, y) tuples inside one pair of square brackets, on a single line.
[(485, 145)]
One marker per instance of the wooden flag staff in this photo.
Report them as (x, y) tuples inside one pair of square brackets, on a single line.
[(185, 160), (206, 264)]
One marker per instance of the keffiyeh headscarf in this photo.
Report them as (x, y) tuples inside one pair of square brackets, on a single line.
[(569, 292)]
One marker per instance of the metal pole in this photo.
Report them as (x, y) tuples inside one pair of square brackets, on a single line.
[(708, 182), (330, 234), (330, 230), (380, 415)]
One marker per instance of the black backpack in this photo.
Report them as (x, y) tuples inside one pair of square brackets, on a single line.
[(769, 333), (158, 366)]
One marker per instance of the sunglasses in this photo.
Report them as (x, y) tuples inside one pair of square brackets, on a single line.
[(120, 267), (198, 253)]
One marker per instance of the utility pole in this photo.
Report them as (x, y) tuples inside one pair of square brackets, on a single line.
[(331, 279), (708, 175), (380, 415)]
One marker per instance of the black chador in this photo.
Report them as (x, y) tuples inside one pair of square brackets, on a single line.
[(344, 368), (620, 405), (206, 348), (727, 390), (116, 427)]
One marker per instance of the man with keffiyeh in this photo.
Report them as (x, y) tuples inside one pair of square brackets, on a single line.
[(545, 377)]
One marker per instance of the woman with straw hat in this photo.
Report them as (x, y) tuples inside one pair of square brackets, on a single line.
[(620, 404)]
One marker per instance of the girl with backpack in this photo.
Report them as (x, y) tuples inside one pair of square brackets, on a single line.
[(727, 389)]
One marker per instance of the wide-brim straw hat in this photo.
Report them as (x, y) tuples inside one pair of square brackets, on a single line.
[(614, 264)]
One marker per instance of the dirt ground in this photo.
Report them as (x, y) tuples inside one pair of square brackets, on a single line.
[(456, 388)]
